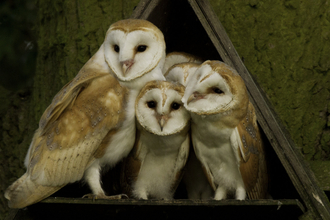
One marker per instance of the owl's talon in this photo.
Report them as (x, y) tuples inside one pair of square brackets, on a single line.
[(93, 196), (90, 196), (122, 196)]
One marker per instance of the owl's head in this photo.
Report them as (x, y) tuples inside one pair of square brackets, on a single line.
[(133, 48), (179, 57), (181, 72), (159, 109), (216, 88)]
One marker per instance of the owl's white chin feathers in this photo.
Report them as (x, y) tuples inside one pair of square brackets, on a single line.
[(166, 131)]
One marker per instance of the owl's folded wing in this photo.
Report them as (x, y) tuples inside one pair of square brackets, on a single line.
[(71, 135), (252, 156)]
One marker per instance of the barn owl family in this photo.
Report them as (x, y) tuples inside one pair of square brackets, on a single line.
[(119, 106)]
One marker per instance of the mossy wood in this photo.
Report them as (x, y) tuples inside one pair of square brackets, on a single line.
[(63, 208), (180, 38)]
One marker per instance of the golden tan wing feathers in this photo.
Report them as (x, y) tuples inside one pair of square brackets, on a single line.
[(70, 136), (24, 191), (253, 163), (67, 95), (72, 141), (90, 123)]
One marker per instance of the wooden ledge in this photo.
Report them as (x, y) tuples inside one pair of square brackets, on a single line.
[(176, 202), (78, 208)]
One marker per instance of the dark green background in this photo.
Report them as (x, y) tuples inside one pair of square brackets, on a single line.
[(284, 43)]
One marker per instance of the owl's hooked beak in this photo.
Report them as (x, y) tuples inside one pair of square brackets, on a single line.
[(162, 121), (126, 65), (194, 97)]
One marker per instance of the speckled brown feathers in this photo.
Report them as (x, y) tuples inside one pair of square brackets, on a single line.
[(252, 154), (70, 133), (77, 132)]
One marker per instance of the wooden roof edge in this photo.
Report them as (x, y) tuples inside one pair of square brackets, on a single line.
[(292, 160), (144, 8)]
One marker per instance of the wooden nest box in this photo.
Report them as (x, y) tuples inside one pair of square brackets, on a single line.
[(192, 26)]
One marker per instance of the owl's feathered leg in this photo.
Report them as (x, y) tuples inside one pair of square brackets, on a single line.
[(93, 178), (220, 193), (240, 193), (24, 192)]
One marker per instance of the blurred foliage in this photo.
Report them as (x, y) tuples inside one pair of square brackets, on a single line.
[(18, 43)]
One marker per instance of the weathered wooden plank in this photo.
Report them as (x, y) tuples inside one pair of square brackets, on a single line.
[(177, 202), (68, 208), (144, 8)]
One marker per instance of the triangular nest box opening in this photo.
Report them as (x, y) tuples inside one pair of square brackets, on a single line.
[(184, 32), (192, 26)]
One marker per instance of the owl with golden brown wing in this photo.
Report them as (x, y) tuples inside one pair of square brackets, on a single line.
[(225, 134), (90, 123)]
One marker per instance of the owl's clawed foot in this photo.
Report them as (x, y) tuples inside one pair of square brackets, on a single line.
[(240, 193), (93, 196)]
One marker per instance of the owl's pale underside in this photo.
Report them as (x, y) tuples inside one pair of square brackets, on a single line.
[(91, 121), (194, 179), (225, 134), (153, 169), (179, 57)]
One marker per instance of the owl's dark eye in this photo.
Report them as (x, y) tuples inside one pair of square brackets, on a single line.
[(116, 48), (141, 48), (175, 105), (152, 104), (217, 90)]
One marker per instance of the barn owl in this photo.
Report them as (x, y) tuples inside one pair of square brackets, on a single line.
[(181, 72), (225, 134), (154, 167), (194, 179), (179, 57), (90, 123)]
